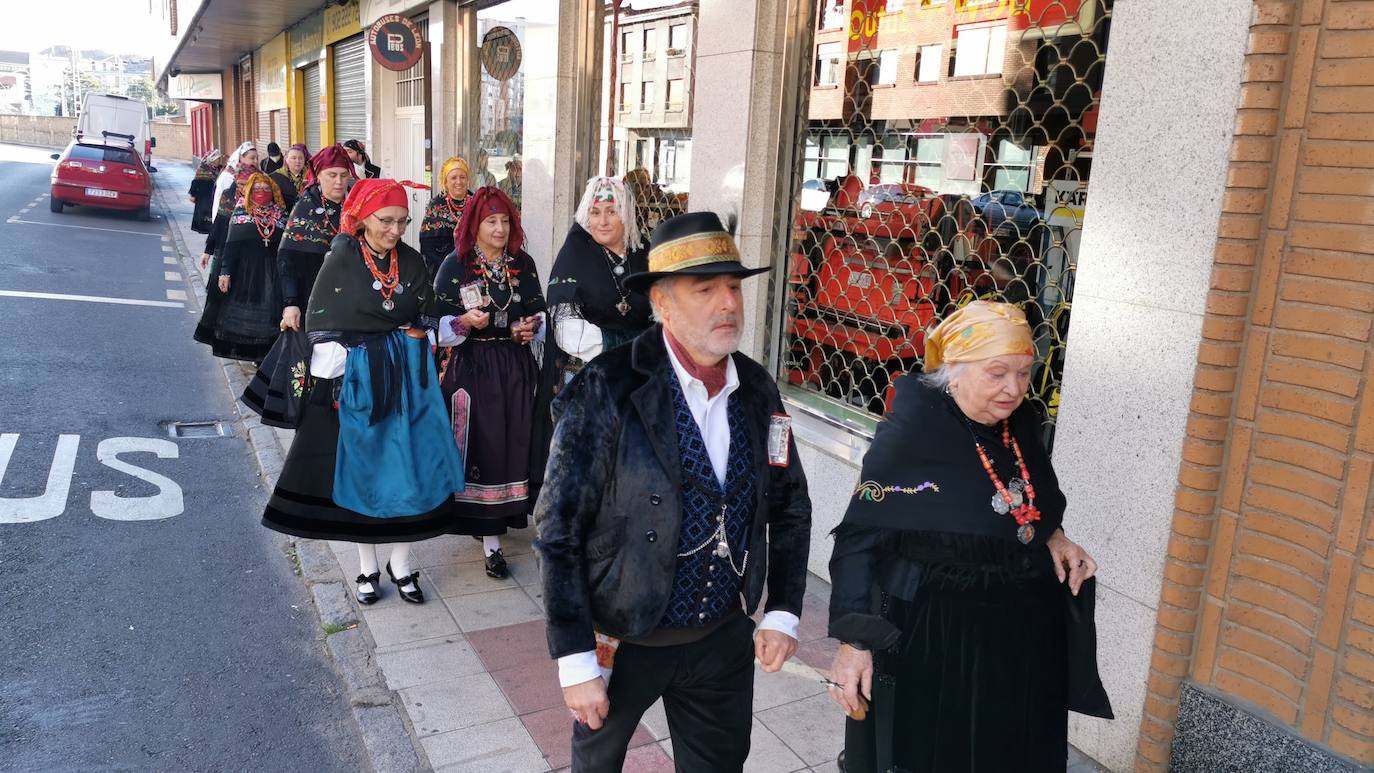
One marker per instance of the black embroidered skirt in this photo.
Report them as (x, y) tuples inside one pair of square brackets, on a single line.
[(976, 684), (489, 389), (243, 323)]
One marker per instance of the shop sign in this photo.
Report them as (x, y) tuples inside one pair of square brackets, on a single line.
[(270, 74), (1065, 202), (1046, 16), (199, 86), (501, 53), (863, 24), (396, 42), (341, 21), (307, 40)]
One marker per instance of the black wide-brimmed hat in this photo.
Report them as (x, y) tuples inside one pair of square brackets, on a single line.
[(694, 244)]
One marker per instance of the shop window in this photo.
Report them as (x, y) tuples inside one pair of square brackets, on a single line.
[(901, 217), (677, 40), (928, 61), (828, 57), (887, 67), (650, 43), (676, 94), (646, 97), (982, 48)]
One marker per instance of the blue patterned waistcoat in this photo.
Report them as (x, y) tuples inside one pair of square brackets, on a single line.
[(706, 586)]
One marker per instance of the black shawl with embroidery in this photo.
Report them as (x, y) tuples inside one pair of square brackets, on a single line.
[(313, 224)]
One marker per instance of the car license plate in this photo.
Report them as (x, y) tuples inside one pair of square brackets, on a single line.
[(860, 280), (102, 193)]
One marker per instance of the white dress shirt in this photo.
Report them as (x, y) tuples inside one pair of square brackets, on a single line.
[(712, 416)]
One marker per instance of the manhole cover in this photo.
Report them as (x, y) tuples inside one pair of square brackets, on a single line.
[(195, 429)]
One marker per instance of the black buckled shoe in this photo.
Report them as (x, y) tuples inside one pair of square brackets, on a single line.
[(416, 596), (496, 565), (369, 597)]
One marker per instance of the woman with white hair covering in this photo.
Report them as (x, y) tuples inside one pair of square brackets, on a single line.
[(590, 309), (242, 163)]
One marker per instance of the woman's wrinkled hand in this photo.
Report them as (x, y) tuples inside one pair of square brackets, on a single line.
[(224, 283), (1071, 561), (852, 677), (204, 259), (475, 319), (291, 318)]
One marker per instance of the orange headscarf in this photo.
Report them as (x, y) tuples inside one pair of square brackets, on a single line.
[(979, 331)]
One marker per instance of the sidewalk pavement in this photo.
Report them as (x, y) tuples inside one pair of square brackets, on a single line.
[(472, 671)]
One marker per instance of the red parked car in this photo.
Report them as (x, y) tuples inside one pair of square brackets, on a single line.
[(108, 174)]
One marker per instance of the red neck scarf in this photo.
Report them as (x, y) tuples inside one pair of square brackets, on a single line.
[(713, 376)]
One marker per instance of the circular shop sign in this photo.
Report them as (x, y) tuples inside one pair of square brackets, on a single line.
[(395, 42), (501, 53)]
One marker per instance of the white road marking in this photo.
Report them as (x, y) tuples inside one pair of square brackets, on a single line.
[(24, 211), (81, 227), (53, 500), (172, 276), (168, 248), (176, 295), (167, 502), (169, 260), (89, 299)]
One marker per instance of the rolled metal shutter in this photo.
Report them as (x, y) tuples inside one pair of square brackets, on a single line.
[(350, 92), (311, 105), (264, 135), (283, 128)]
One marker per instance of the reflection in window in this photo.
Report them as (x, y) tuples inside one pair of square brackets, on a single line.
[(624, 97), (828, 64), (626, 41), (677, 38), (887, 67), (928, 63), (981, 49), (646, 97), (650, 42), (832, 15), (676, 94)]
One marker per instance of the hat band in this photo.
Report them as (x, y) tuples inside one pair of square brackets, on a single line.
[(691, 251)]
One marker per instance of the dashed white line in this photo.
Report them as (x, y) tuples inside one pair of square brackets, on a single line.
[(170, 260), (172, 276), (176, 295), (81, 227), (91, 299)]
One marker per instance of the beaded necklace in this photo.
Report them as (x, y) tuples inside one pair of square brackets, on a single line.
[(384, 283), (265, 220), (1016, 498), (497, 272), (617, 265)]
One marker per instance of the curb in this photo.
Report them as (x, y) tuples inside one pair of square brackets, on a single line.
[(382, 725)]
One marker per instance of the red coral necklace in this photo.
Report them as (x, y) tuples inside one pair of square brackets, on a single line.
[(1018, 497), (385, 283)]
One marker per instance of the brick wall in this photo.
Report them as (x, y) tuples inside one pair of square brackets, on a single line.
[(46, 130), (1268, 597)]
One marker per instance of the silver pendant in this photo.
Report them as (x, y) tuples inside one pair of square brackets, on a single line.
[(319, 210), (376, 284), (501, 285), (1000, 505), (1025, 534), (619, 270), (400, 288), (388, 305), (722, 549), (515, 297), (622, 307), (502, 320)]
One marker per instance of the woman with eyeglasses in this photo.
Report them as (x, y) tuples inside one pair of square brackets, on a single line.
[(372, 461), (490, 288)]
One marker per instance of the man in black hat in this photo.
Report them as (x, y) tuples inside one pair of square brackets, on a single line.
[(673, 496)]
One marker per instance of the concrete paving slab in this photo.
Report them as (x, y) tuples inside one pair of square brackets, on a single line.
[(439, 707), (494, 609), (393, 621), (503, 745), (813, 728), (417, 663)]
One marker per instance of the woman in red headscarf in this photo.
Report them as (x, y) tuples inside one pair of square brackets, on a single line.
[(490, 288), (240, 318), (373, 459)]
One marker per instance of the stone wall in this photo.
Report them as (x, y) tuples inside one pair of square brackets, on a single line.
[(173, 139)]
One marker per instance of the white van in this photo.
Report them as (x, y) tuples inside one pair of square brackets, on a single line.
[(112, 118)]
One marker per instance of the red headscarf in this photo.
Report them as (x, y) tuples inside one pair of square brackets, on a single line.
[(330, 157), (368, 196), (484, 203)]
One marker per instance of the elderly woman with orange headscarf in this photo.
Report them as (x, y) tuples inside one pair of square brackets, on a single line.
[(953, 582), (489, 286), (443, 212), (372, 460), (243, 302)]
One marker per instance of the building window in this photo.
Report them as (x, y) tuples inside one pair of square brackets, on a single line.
[(1011, 168), (930, 155), (981, 49), (650, 43), (828, 64), (887, 67), (827, 157), (677, 92), (626, 54), (928, 60), (646, 97), (832, 16), (624, 97), (677, 40)]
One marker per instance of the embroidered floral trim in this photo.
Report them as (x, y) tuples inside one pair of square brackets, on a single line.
[(298, 376), (873, 491)]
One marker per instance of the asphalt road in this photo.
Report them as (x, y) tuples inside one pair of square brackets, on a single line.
[(147, 620)]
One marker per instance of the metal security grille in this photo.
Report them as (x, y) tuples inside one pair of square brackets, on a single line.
[(264, 134), (350, 89), (281, 128), (646, 135), (410, 86), (311, 105), (946, 158)]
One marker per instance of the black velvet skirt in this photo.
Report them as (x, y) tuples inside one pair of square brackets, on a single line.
[(976, 683)]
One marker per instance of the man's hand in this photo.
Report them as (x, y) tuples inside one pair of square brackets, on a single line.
[(588, 702), (773, 648), (204, 259)]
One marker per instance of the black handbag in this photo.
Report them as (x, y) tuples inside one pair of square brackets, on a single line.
[(1086, 693), (281, 386)]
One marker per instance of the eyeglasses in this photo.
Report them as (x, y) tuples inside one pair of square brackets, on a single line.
[(389, 223)]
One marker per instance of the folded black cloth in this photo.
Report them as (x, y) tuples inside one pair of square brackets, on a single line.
[(1086, 693), (279, 389)]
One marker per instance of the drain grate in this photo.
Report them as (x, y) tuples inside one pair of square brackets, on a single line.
[(197, 429)]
